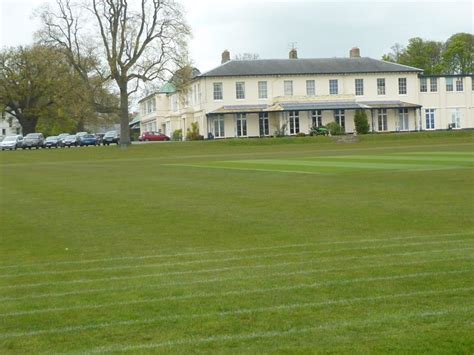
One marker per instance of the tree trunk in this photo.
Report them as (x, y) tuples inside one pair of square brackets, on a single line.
[(124, 120), (28, 124)]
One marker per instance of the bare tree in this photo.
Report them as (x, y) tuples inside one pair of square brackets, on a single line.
[(247, 56), (137, 42)]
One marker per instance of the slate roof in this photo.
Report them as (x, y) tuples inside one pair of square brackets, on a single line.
[(306, 67)]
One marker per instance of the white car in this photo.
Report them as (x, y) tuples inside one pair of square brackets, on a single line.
[(12, 142)]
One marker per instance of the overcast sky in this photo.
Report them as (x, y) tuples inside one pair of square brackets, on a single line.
[(269, 27)]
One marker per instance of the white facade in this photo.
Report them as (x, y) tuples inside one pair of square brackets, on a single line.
[(9, 125), (258, 105)]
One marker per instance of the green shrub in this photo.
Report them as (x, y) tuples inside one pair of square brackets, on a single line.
[(301, 134), (280, 132), (335, 128), (361, 122), (177, 135), (193, 133)]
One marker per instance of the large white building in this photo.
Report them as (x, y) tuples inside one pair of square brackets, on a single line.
[(254, 98)]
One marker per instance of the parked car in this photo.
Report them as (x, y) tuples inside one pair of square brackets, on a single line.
[(153, 136), (52, 141), (12, 142), (99, 137), (88, 139), (111, 137), (71, 140), (61, 138), (33, 140)]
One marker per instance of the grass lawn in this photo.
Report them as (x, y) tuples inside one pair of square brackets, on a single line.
[(246, 246)]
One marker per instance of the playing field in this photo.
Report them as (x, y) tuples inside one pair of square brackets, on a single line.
[(289, 245)]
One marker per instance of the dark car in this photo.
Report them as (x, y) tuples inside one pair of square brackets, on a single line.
[(51, 142), (71, 141), (33, 140), (61, 138), (111, 137), (88, 139), (153, 136)]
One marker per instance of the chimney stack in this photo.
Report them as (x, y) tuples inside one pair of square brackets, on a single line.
[(225, 56), (354, 53), (294, 54)]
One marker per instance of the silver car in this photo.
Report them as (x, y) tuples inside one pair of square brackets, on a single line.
[(12, 142)]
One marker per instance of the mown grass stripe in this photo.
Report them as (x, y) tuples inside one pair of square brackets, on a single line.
[(239, 292), (276, 334), (128, 288), (235, 312), (239, 250), (206, 261)]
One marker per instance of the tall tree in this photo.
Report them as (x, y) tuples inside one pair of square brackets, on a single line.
[(137, 42), (458, 55), (32, 84), (426, 55)]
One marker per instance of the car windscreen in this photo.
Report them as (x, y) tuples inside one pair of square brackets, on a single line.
[(9, 139)]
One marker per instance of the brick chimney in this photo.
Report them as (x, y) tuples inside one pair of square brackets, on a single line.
[(354, 52), (225, 56), (294, 54)]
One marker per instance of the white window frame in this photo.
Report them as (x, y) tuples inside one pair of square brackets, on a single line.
[(459, 84), (263, 124), (218, 126), (310, 87), (359, 87), (333, 87), (382, 120), (456, 117), (433, 84), (288, 87), (294, 122), (316, 118), (381, 86), (340, 118), (449, 84), (262, 90), (403, 119), (218, 91), (430, 118), (240, 90), (423, 84), (402, 86), (241, 124)]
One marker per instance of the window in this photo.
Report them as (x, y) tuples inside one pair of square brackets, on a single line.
[(288, 87), (472, 83), (310, 88), (240, 90), (174, 103), (449, 84), (433, 84), (382, 119), (151, 106), (403, 119), (263, 124), (218, 126), (262, 90), (4, 131), (333, 87), (423, 85), (359, 87), (459, 84), (339, 117), (241, 125), (430, 118), (456, 118), (380, 86), (294, 119), (218, 95), (402, 86), (316, 118)]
